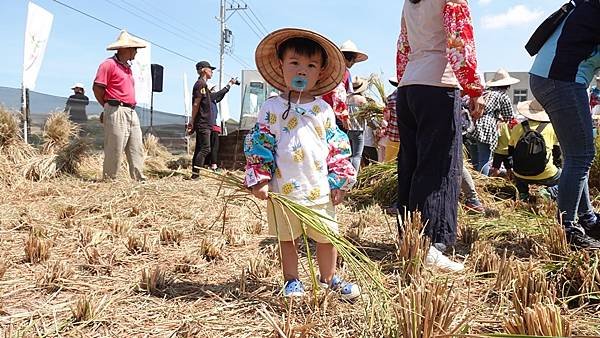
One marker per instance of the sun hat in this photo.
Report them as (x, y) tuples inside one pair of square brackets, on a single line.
[(269, 66), (501, 79), (125, 41), (204, 64), (533, 110), (78, 85), (359, 84), (350, 47)]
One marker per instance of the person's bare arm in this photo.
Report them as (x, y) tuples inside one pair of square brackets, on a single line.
[(99, 91)]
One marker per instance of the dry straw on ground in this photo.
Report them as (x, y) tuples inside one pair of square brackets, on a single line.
[(513, 271)]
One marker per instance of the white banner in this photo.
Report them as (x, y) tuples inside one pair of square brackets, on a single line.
[(142, 75), (187, 99), (37, 31)]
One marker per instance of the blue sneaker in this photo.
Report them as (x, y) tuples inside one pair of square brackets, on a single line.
[(347, 290), (293, 288)]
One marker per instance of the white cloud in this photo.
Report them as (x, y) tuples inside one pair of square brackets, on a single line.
[(484, 2), (515, 16)]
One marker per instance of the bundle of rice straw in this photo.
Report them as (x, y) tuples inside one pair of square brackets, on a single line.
[(153, 147), (58, 131), (376, 183), (367, 274), (11, 142), (65, 161)]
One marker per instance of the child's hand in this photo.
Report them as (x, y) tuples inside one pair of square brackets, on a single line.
[(337, 196), (261, 190)]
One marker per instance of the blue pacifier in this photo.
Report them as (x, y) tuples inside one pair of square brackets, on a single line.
[(299, 83)]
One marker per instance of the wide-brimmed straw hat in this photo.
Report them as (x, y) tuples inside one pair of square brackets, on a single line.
[(269, 66), (125, 41), (359, 84), (350, 47), (533, 110), (501, 79), (78, 85)]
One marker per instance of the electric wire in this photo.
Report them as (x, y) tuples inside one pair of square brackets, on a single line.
[(184, 37), (205, 39), (119, 28)]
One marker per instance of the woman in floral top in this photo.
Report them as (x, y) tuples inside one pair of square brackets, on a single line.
[(436, 55)]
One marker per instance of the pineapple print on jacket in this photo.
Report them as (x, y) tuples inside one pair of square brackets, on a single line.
[(289, 187), (297, 153), (303, 156), (292, 124)]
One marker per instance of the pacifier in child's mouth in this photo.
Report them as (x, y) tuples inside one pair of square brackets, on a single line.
[(299, 83)]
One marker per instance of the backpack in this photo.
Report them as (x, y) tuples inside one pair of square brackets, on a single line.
[(530, 156)]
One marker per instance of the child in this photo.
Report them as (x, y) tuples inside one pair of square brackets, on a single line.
[(297, 150), (532, 163)]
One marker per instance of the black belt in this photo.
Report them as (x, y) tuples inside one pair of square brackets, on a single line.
[(117, 103)]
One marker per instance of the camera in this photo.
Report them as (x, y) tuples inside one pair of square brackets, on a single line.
[(235, 81)]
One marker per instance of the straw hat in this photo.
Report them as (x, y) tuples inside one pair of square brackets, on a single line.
[(126, 41), (269, 66), (350, 47), (78, 85), (359, 84), (533, 110), (501, 79)]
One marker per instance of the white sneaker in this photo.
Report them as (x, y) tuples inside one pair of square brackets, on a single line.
[(437, 259)]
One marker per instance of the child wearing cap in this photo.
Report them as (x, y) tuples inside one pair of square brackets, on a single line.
[(297, 150)]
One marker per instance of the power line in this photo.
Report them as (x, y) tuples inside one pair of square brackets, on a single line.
[(252, 28), (255, 25), (119, 28), (206, 40), (184, 37), (259, 21)]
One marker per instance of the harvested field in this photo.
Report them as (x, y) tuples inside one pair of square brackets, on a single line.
[(167, 257)]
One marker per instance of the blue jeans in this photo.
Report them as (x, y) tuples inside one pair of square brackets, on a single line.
[(568, 107), (480, 156), (357, 143)]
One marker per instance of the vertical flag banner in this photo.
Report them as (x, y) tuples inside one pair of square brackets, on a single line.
[(37, 31), (187, 99), (142, 75)]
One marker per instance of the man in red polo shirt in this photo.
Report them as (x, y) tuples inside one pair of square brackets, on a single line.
[(114, 90)]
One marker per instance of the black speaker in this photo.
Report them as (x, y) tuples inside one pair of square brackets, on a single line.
[(157, 77)]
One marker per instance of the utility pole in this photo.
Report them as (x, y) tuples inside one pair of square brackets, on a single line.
[(225, 34), (225, 38)]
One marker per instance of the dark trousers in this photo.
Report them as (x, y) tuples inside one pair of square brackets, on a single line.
[(369, 155), (430, 158), (214, 149), (201, 150)]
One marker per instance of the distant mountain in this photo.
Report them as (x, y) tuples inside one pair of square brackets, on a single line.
[(40, 105)]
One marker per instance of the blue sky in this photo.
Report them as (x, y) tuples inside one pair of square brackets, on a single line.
[(77, 43)]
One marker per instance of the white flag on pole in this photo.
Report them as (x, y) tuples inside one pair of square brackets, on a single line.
[(37, 31), (142, 75), (187, 100)]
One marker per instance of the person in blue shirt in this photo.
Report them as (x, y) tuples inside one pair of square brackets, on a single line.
[(560, 76)]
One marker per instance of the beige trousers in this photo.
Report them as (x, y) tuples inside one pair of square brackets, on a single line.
[(122, 132)]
